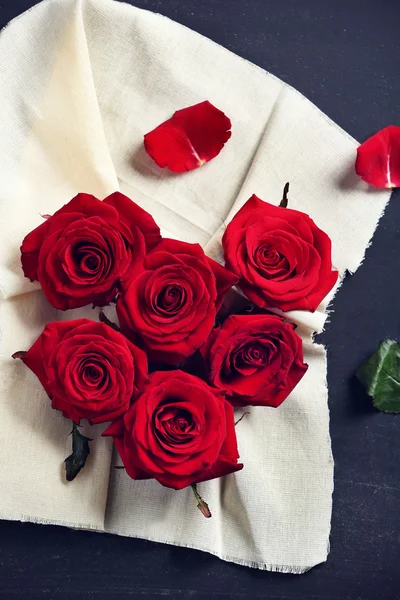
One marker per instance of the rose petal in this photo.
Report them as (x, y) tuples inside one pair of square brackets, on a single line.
[(224, 279), (88, 205), (133, 471), (33, 360), (229, 455), (116, 429), (30, 249), (135, 216), (192, 137), (378, 158)]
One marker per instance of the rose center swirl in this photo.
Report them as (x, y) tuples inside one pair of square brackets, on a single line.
[(174, 425), (270, 260), (253, 355), (93, 374), (92, 261), (170, 299)]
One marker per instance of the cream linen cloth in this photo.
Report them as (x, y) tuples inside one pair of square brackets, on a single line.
[(81, 82)]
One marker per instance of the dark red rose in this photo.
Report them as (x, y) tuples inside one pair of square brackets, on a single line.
[(192, 137), (179, 431), (172, 300), (89, 371), (378, 158), (255, 359), (281, 257), (81, 252)]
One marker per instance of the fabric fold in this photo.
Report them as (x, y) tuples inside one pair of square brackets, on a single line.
[(50, 112), (61, 143), (84, 81)]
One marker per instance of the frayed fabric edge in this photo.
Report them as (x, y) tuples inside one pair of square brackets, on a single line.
[(43, 521), (290, 570)]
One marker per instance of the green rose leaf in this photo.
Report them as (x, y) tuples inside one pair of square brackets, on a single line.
[(381, 376), (80, 451)]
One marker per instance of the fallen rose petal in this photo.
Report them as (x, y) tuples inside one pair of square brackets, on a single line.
[(192, 137), (378, 158)]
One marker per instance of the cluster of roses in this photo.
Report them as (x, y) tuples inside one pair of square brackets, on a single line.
[(171, 424), (170, 374)]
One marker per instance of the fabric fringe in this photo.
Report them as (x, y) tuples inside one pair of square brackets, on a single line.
[(291, 570), (58, 523)]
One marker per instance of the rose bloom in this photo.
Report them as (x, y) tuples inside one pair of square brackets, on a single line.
[(172, 299), (281, 257), (79, 254), (89, 371), (179, 431), (255, 359)]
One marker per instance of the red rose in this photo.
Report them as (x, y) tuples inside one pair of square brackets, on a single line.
[(89, 371), (255, 359), (172, 300), (179, 431), (192, 137), (81, 252), (281, 257)]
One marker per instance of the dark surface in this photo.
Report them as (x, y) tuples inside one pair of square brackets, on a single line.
[(344, 56)]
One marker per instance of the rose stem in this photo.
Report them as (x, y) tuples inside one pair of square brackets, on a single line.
[(202, 506), (243, 415), (284, 201)]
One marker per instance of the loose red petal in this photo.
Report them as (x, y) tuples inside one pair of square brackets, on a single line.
[(192, 137), (378, 158)]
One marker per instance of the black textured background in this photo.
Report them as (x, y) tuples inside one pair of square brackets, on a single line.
[(345, 56)]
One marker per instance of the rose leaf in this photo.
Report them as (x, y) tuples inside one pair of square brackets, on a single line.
[(381, 376), (80, 451)]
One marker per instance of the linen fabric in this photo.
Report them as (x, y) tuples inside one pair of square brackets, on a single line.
[(82, 81)]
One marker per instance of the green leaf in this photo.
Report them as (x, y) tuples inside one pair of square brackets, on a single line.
[(381, 376), (80, 451)]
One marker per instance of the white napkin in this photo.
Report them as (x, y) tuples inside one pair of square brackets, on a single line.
[(82, 81)]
